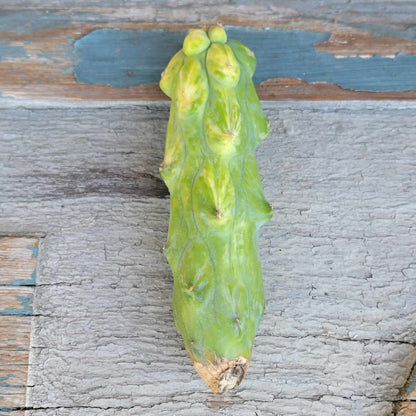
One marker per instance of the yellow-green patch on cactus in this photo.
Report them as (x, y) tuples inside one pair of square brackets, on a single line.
[(217, 203)]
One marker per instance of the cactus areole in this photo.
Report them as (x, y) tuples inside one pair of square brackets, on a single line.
[(217, 202)]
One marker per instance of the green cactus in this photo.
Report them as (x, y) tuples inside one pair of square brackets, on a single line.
[(217, 202)]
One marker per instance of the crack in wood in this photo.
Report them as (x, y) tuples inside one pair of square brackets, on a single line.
[(104, 182)]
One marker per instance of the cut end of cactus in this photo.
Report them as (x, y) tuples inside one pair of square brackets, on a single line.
[(222, 375)]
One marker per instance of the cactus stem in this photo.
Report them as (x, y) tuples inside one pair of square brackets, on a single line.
[(222, 375), (217, 203)]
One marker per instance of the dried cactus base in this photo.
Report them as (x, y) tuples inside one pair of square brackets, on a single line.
[(222, 375)]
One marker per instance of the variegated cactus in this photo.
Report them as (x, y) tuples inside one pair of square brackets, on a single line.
[(217, 202)]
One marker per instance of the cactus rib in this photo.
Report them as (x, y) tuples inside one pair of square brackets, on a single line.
[(217, 202)]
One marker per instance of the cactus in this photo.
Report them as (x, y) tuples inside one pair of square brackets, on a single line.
[(217, 202)]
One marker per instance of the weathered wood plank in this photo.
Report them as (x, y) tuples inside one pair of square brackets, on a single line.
[(281, 89), (379, 16), (18, 260), (18, 266), (338, 336), (54, 53)]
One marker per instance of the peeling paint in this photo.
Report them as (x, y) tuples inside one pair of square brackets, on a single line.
[(412, 387), (123, 58), (9, 383), (364, 45), (41, 58), (26, 309), (24, 252), (25, 282)]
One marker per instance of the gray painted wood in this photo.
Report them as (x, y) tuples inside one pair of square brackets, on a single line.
[(338, 336)]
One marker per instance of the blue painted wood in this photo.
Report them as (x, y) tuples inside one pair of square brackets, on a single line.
[(26, 308), (123, 58), (412, 386), (27, 282), (8, 51), (24, 298)]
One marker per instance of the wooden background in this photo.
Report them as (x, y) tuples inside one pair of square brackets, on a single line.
[(86, 322)]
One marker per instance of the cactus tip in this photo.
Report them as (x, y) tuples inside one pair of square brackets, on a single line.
[(222, 375), (217, 33), (195, 42)]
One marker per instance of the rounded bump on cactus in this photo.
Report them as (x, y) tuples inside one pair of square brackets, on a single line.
[(192, 88), (222, 65), (169, 75), (166, 174), (263, 127), (223, 124), (214, 198), (244, 56), (196, 41), (217, 34)]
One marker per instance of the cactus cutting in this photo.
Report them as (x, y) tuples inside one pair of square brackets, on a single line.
[(217, 202)]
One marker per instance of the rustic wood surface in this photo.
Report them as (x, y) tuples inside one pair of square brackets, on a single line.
[(18, 260), (307, 50), (338, 336)]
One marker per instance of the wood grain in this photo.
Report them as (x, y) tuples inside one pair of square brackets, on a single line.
[(338, 336), (14, 333)]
